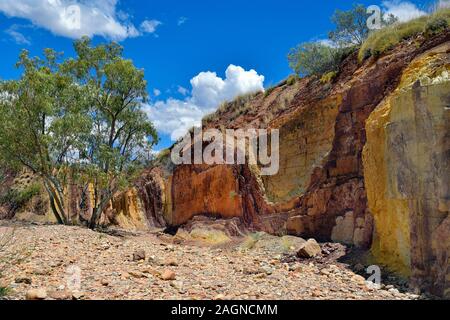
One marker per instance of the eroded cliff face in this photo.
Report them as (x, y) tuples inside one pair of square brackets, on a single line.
[(406, 166), (364, 160), (320, 189), (395, 201)]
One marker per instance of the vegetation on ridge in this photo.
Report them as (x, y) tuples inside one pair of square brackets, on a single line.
[(385, 39)]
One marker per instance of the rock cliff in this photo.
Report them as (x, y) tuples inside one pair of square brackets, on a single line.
[(364, 160)]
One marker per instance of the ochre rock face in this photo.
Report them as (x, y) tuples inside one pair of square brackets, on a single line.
[(406, 165), (305, 141), (197, 190)]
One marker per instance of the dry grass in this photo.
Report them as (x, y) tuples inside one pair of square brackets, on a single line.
[(385, 39), (239, 106)]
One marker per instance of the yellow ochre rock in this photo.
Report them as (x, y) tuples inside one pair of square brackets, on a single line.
[(406, 169)]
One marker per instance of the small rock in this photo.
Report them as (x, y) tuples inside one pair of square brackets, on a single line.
[(154, 261), (309, 249), (394, 291), (60, 295), (138, 275), (316, 294), (36, 294), (24, 280), (172, 262), (139, 255), (168, 275), (219, 297), (77, 295), (104, 282)]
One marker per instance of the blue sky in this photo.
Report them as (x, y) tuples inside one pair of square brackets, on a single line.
[(174, 41)]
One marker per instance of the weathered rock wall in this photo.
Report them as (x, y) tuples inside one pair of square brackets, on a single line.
[(407, 172)]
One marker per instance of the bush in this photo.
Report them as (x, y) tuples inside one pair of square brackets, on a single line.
[(292, 79), (313, 58), (17, 199), (328, 77), (268, 91), (4, 292), (318, 59), (436, 26)]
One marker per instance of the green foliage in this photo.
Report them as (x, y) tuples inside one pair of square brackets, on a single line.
[(16, 199), (292, 79), (435, 26), (385, 39), (351, 26), (328, 77), (4, 292), (315, 58), (312, 58), (269, 91), (80, 116)]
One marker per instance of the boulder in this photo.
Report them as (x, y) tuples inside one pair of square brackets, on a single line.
[(309, 249), (36, 294)]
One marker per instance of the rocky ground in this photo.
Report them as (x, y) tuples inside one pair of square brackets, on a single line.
[(60, 262)]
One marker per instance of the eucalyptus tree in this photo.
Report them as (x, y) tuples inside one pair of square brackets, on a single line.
[(121, 136), (81, 116), (42, 122)]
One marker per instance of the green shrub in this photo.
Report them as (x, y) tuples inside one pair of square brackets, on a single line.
[(328, 77), (436, 26), (317, 59), (268, 91), (4, 292), (17, 199), (313, 58), (292, 79)]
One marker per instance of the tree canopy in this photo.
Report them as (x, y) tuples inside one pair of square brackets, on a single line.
[(81, 116)]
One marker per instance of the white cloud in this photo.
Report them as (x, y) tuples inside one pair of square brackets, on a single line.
[(156, 92), (74, 18), (17, 36), (182, 90), (175, 117), (182, 20), (327, 42), (149, 26), (403, 10)]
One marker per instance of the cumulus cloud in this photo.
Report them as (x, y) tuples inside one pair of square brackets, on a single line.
[(175, 117), (74, 18), (403, 10)]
